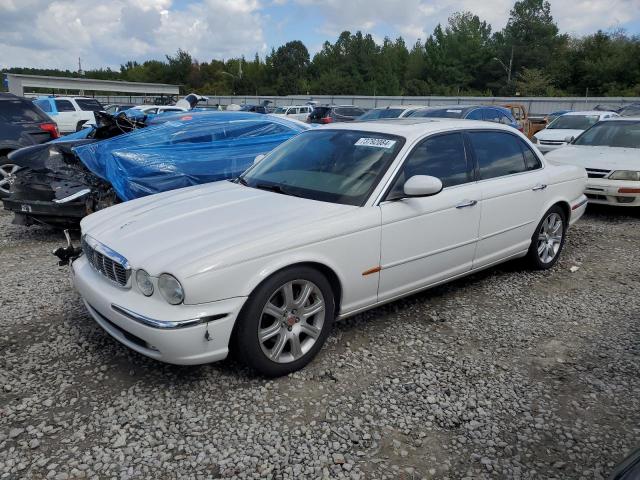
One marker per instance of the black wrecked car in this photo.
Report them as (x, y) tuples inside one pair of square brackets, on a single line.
[(21, 125), (50, 185)]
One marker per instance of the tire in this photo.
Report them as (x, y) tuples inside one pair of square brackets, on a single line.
[(548, 239), (6, 169), (276, 312)]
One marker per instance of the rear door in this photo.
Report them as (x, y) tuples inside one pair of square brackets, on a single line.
[(512, 183), (67, 117), (429, 239)]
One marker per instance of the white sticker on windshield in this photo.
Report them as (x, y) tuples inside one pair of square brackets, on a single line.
[(375, 142), (454, 111)]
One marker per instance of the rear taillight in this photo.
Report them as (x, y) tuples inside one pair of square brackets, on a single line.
[(326, 120), (52, 128)]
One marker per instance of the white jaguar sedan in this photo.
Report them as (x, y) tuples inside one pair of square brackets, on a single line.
[(335, 221)]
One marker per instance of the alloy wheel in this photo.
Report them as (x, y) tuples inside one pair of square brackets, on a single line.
[(550, 237), (6, 171), (291, 321)]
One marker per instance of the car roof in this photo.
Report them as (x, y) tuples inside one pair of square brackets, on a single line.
[(415, 127), (400, 106), (621, 119)]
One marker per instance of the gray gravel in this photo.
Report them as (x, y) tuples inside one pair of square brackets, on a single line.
[(506, 374)]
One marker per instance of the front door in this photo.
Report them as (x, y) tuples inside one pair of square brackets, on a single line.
[(425, 240)]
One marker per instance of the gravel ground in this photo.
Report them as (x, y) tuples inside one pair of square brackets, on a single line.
[(505, 374)]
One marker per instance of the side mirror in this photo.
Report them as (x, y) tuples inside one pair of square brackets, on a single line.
[(569, 139), (422, 186), (258, 158)]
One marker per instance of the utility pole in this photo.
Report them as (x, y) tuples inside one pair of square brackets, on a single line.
[(510, 66)]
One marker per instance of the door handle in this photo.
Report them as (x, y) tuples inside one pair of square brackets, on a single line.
[(467, 203), (540, 186)]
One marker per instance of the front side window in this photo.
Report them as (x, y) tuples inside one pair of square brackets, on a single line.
[(89, 104), (498, 154), (612, 133), (442, 156), (531, 160), (64, 106), (338, 166)]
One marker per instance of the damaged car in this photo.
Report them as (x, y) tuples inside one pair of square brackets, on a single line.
[(59, 183)]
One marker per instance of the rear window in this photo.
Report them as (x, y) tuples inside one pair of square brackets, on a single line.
[(438, 113), (320, 112), (16, 110), (89, 104), (43, 105)]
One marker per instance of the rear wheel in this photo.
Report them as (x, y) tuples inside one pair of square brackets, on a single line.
[(286, 321), (7, 169), (548, 240)]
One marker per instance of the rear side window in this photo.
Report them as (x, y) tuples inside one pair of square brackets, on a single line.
[(16, 110), (89, 104), (531, 160), (442, 156), (64, 106), (498, 154), (43, 105)]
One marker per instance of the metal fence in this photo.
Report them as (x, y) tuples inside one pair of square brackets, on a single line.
[(535, 105)]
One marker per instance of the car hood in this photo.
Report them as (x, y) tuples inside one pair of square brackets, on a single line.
[(603, 158), (196, 229), (557, 134)]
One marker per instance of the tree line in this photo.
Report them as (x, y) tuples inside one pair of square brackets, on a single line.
[(529, 57)]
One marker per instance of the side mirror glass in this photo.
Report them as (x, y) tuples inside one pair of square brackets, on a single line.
[(258, 158), (422, 186)]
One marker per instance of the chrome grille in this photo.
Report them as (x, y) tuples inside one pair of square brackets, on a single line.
[(106, 262), (597, 173)]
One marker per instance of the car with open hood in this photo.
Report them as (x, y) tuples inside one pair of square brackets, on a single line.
[(567, 127), (610, 153), (335, 221)]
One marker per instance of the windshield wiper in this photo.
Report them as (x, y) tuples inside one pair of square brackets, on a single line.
[(275, 189), (241, 181)]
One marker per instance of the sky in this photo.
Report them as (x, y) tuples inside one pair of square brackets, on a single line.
[(54, 33)]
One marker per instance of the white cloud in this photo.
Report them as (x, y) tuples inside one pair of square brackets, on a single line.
[(45, 33)]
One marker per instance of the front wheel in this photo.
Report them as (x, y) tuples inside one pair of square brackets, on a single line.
[(548, 239), (286, 321)]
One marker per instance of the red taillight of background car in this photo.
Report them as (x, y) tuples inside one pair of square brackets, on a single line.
[(52, 128), (326, 120)]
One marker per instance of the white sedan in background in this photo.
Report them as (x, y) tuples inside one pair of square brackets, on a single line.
[(610, 152), (335, 221), (566, 127)]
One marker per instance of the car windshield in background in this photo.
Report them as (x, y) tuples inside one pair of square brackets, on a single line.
[(280, 110), (438, 113), (573, 122), (612, 133), (338, 166), (381, 113)]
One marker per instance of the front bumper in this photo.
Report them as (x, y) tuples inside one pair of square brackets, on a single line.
[(177, 334), (28, 212), (613, 192)]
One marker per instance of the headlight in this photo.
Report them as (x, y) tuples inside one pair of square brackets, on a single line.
[(170, 289), (625, 175), (534, 139), (144, 283)]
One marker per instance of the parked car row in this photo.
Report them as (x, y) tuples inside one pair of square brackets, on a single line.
[(222, 230)]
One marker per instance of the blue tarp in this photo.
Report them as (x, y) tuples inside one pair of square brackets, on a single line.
[(194, 148)]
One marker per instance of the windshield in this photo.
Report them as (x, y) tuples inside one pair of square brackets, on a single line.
[(438, 113), (381, 113), (338, 166), (573, 122), (612, 133), (280, 110)]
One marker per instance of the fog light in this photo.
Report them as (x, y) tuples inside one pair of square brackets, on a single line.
[(626, 199), (144, 283)]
